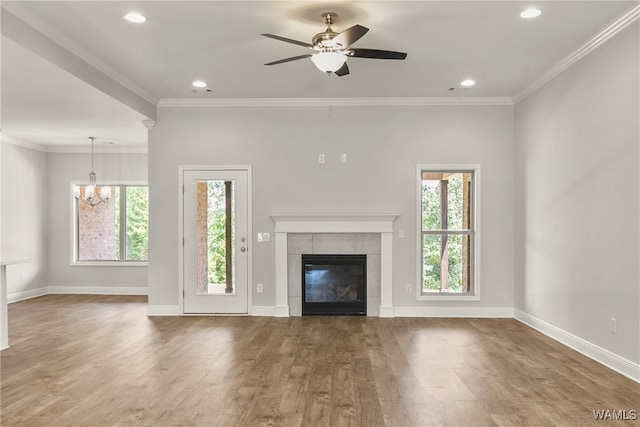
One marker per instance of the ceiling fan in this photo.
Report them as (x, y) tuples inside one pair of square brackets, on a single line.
[(332, 49)]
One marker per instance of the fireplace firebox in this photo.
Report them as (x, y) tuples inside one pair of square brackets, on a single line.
[(334, 285)]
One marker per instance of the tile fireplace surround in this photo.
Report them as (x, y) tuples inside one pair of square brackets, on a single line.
[(337, 233)]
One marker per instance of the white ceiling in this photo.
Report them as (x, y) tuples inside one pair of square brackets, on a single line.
[(45, 105), (219, 42)]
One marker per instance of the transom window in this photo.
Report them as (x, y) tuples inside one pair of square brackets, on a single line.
[(114, 231), (448, 237)]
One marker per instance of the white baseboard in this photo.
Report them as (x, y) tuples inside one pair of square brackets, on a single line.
[(263, 310), (451, 312), (281, 311), (386, 311), (164, 310), (99, 290), (507, 312), (28, 294), (619, 364)]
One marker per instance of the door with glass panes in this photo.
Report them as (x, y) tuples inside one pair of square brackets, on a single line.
[(215, 241)]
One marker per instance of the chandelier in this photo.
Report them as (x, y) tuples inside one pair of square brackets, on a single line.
[(91, 194)]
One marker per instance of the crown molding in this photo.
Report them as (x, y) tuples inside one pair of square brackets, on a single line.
[(22, 143), (70, 149), (74, 149), (333, 102), (598, 40)]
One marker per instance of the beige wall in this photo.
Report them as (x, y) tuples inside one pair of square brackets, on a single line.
[(63, 169), (24, 213), (577, 199), (383, 145)]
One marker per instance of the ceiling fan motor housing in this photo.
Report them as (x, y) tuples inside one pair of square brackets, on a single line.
[(323, 40)]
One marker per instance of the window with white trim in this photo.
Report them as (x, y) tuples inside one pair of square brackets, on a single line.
[(113, 231), (448, 238)]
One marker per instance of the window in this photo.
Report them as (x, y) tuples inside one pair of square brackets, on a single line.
[(448, 240), (116, 231)]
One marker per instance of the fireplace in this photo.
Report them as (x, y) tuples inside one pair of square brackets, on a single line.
[(297, 234), (334, 284)]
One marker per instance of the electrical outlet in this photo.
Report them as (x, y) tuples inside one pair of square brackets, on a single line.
[(259, 286), (343, 158), (409, 288), (401, 233), (614, 326), (321, 158)]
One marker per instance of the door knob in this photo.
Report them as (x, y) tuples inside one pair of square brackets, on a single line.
[(243, 249)]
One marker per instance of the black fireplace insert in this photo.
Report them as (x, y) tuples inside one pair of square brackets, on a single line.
[(334, 285)]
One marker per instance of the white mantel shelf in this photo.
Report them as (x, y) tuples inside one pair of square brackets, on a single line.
[(334, 223)]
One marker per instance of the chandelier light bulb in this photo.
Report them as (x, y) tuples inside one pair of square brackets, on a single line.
[(89, 192), (105, 193)]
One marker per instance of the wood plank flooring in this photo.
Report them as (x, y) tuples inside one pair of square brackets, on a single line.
[(100, 361)]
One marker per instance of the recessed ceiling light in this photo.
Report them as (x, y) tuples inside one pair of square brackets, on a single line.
[(199, 83), (135, 17), (467, 83), (531, 13)]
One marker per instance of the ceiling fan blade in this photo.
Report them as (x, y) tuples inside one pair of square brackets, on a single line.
[(343, 71), (293, 58), (376, 54), (349, 36), (284, 39)]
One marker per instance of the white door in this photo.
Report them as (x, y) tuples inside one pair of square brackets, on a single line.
[(215, 241)]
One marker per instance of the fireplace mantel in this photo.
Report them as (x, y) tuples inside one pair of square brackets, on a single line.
[(334, 223)]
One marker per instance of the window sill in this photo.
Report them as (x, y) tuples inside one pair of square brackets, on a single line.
[(448, 297), (110, 264)]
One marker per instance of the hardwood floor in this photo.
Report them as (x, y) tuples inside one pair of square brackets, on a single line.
[(100, 361)]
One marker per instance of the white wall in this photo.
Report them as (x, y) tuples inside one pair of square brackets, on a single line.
[(64, 168), (24, 211), (577, 197), (383, 144)]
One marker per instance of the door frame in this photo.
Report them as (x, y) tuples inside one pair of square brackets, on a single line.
[(211, 168)]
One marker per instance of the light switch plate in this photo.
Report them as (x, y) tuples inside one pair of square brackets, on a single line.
[(263, 237)]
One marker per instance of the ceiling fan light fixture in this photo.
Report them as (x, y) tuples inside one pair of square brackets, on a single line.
[(329, 62)]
